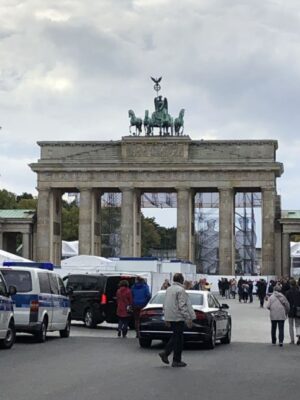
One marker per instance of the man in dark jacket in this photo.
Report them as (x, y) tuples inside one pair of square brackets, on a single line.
[(140, 295), (261, 291), (293, 296)]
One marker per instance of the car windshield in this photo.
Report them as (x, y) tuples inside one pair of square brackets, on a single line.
[(196, 298)]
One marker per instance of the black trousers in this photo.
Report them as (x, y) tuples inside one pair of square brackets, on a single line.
[(175, 343), (280, 324)]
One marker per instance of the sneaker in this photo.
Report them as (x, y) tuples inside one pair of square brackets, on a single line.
[(298, 341), (280, 344), (119, 333), (178, 364), (164, 358)]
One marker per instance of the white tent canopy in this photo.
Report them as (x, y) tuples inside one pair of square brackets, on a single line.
[(69, 249), (5, 256), (86, 261)]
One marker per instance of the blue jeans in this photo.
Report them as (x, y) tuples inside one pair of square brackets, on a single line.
[(175, 343), (280, 324)]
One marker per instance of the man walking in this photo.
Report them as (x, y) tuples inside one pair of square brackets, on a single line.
[(177, 310)]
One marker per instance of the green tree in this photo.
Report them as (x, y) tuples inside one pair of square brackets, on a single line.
[(150, 236), (8, 200), (70, 221), (26, 201)]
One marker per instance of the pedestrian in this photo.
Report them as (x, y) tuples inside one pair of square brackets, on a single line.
[(293, 296), (124, 304), (261, 291), (178, 310), (279, 308), (233, 287), (165, 285), (240, 288), (245, 288), (141, 295), (250, 291)]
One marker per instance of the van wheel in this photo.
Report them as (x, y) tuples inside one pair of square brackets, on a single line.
[(42, 333), (89, 319), (65, 333), (10, 337)]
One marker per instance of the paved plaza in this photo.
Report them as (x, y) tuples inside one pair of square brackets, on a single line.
[(95, 364)]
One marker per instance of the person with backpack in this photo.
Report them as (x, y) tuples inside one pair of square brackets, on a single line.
[(141, 295), (293, 296)]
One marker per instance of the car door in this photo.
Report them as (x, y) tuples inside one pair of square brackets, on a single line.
[(64, 303), (56, 304), (45, 298), (222, 316), (3, 313), (214, 311)]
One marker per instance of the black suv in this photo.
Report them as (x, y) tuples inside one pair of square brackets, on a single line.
[(93, 297)]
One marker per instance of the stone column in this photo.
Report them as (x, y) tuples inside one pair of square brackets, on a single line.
[(184, 249), (226, 242), (26, 253), (55, 226), (128, 222), (89, 230), (43, 226), (268, 231), (137, 223), (286, 255)]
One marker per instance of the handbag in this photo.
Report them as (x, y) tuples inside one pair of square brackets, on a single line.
[(297, 311)]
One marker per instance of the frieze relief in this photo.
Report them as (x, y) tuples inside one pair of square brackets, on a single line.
[(149, 151)]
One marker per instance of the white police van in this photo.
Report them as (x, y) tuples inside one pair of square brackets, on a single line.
[(7, 322), (41, 303)]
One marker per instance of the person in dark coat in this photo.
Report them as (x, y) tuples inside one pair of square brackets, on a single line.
[(240, 288), (293, 297), (261, 291), (250, 290), (141, 295), (124, 302)]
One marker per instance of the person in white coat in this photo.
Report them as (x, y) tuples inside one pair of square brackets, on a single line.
[(178, 310), (279, 308)]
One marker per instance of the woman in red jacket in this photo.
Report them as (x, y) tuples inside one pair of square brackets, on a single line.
[(124, 303)]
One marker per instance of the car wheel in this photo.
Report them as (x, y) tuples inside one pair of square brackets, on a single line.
[(10, 338), (89, 319), (145, 342), (227, 339), (42, 333), (65, 333), (211, 343)]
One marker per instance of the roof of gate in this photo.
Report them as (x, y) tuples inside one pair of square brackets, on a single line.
[(24, 214)]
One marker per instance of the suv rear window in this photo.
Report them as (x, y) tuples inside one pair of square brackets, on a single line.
[(20, 279), (83, 282)]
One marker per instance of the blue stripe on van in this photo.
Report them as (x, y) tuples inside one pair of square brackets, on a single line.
[(23, 300)]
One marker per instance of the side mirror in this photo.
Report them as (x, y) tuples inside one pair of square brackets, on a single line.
[(12, 290), (225, 306), (70, 290)]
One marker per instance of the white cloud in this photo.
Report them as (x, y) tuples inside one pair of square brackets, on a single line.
[(72, 69)]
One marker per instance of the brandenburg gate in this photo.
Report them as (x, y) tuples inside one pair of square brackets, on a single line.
[(167, 162)]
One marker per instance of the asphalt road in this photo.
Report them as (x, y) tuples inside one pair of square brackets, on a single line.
[(95, 364)]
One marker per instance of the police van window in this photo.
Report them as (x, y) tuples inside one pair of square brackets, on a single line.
[(20, 279), (2, 287), (62, 288), (44, 282), (53, 284)]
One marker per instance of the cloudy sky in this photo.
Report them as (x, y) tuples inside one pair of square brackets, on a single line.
[(71, 69)]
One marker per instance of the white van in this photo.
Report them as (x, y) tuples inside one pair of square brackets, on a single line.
[(7, 322), (41, 303)]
